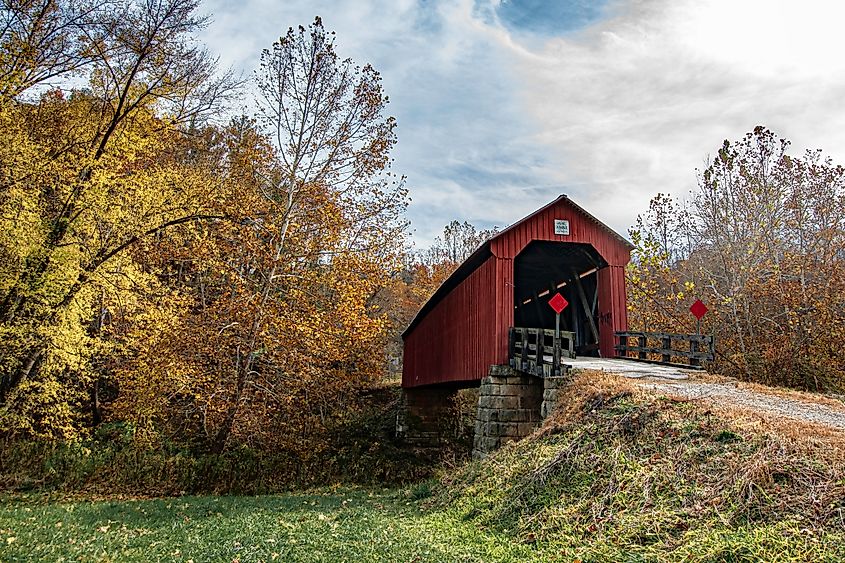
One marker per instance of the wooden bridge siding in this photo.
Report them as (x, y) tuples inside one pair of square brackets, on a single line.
[(454, 342), (612, 300), (467, 330), (612, 309), (540, 226), (504, 309)]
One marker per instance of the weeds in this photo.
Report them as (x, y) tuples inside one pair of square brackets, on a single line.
[(621, 474), (360, 449)]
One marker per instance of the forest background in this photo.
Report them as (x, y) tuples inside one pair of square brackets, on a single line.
[(197, 302)]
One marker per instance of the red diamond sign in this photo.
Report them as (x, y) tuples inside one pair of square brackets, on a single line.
[(558, 303), (698, 309)]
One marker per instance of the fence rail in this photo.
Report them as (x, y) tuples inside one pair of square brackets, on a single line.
[(697, 347), (540, 351)]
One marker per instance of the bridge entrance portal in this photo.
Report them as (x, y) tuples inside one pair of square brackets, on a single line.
[(544, 268)]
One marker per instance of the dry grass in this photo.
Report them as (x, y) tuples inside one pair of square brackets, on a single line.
[(784, 393), (812, 436), (620, 472)]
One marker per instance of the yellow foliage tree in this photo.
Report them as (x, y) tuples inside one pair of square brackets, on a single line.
[(285, 325), (88, 176)]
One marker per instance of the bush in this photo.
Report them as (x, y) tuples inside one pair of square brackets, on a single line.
[(358, 449)]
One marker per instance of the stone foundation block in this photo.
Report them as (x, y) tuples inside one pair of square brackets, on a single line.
[(518, 415), (553, 388), (499, 402), (487, 415), (509, 405)]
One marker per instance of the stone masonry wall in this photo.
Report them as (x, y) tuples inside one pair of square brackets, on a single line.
[(552, 389), (508, 409), (424, 415), (511, 405)]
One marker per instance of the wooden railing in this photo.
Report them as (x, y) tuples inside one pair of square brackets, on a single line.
[(539, 352), (694, 348)]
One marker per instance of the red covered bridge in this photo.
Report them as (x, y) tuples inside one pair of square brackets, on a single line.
[(464, 328)]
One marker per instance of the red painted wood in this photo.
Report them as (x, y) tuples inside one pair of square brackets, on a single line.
[(613, 313), (467, 330), (455, 341)]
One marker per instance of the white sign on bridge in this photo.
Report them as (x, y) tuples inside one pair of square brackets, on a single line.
[(561, 227)]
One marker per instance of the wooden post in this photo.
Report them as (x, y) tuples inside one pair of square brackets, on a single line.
[(512, 347), (523, 354), (642, 340), (667, 345), (586, 305), (556, 347), (557, 353), (538, 308), (693, 348), (541, 338)]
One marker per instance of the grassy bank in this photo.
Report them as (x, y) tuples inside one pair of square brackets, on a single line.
[(624, 475), (619, 475)]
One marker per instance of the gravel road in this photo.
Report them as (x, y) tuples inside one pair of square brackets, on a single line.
[(730, 394), (681, 382)]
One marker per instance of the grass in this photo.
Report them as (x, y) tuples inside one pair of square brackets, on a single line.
[(618, 475), (329, 525), (624, 475)]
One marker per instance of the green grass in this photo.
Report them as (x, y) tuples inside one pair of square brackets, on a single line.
[(332, 525), (618, 476)]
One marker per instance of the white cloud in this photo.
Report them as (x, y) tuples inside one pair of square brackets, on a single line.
[(496, 121), (632, 105)]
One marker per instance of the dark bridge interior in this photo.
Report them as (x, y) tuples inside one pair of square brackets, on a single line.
[(544, 268)]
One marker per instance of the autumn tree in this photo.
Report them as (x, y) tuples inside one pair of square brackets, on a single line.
[(763, 244), (92, 173), (286, 323), (449, 249), (657, 291), (44, 40), (456, 243)]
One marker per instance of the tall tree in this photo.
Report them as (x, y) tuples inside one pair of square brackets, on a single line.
[(95, 170), (43, 40), (457, 242), (763, 243), (288, 322)]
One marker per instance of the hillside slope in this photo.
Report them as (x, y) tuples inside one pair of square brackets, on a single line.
[(627, 473)]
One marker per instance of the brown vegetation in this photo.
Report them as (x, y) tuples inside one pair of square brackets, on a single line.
[(762, 242), (203, 286)]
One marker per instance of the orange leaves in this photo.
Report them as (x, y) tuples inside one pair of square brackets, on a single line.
[(762, 242), (221, 281)]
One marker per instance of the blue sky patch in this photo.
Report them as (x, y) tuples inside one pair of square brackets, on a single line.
[(551, 18)]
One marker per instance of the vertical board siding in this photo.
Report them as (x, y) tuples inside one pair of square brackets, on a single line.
[(455, 341), (467, 330), (613, 312)]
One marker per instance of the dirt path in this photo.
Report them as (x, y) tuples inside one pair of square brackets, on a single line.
[(687, 384)]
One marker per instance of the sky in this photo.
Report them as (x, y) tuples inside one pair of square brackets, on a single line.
[(502, 105)]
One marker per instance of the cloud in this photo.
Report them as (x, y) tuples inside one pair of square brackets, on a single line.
[(503, 105), (635, 103)]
